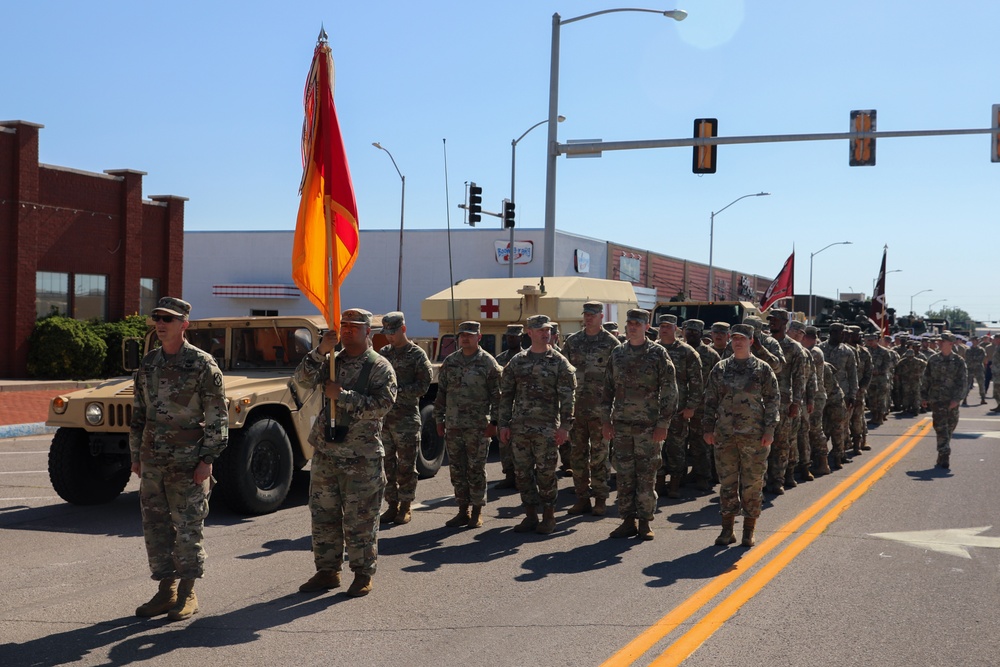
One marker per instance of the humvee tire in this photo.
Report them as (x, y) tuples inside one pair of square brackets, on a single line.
[(255, 470), (81, 478), (430, 456)]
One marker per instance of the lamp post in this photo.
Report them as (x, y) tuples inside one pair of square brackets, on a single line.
[(934, 303), (811, 255), (552, 149), (711, 238), (917, 294), (875, 280), (402, 205), (513, 155)]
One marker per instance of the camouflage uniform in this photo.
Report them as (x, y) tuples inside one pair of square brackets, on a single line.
[(844, 359), (536, 399), (975, 360), (995, 363), (878, 390), (910, 371), (943, 383), (690, 392), (589, 453), (467, 402), (815, 438), (859, 427), (834, 419), (700, 453), (506, 449), (741, 407), (801, 449), (640, 395), (347, 479), (179, 417), (401, 427), (791, 386)]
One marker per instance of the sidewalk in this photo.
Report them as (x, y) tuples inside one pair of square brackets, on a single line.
[(24, 404)]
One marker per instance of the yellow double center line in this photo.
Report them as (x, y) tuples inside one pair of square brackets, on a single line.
[(713, 620)]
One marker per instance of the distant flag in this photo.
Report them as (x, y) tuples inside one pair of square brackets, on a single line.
[(783, 287), (326, 230), (877, 316)]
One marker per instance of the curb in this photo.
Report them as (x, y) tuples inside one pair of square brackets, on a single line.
[(23, 430)]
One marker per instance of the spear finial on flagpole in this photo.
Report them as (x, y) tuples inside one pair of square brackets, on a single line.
[(322, 38)]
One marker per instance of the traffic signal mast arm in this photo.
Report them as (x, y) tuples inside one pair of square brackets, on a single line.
[(482, 211)]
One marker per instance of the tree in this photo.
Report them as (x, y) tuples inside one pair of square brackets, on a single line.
[(957, 318)]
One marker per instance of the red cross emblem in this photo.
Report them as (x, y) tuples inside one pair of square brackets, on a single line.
[(489, 309)]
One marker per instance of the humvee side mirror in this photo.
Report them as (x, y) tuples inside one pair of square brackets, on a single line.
[(131, 352)]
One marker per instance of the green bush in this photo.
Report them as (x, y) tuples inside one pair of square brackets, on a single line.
[(113, 333), (61, 348)]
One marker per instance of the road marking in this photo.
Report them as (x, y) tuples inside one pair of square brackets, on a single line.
[(681, 613), (952, 541)]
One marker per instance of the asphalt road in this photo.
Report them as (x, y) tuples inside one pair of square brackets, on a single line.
[(836, 578)]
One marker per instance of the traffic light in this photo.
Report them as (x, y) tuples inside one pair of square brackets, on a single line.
[(995, 137), (508, 214), (863, 150), (703, 161), (475, 204)]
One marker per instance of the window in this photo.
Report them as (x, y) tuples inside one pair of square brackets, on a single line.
[(51, 293), (149, 294), (254, 312), (90, 297)]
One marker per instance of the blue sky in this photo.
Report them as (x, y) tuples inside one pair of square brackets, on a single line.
[(207, 98)]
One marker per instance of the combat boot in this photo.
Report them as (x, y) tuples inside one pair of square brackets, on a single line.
[(460, 519), (749, 524), (943, 462), (582, 506), (476, 518), (674, 488), (548, 523), (404, 515), (790, 482), (704, 484), (822, 466), (323, 580), (864, 443), (187, 602), (507, 482), (600, 507), (661, 483), (727, 536), (361, 586), (162, 602), (529, 522), (804, 473), (856, 441), (627, 529), (390, 514), (644, 531), (965, 403)]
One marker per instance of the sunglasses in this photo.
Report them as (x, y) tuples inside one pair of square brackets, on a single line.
[(163, 318)]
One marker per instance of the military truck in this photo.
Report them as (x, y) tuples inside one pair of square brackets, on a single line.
[(709, 312), (269, 422), (497, 302)]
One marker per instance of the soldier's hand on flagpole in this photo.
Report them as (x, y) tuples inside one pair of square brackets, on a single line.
[(329, 342), (331, 390)]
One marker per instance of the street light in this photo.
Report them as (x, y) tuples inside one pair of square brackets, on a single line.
[(917, 294), (711, 237), (402, 202), (513, 154), (936, 302), (552, 150), (811, 255), (875, 280)]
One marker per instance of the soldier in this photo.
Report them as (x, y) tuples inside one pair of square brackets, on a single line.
[(878, 389), (180, 425), (588, 350), (612, 328), (513, 337), (814, 382), (720, 339), (690, 393), (536, 413), (765, 347), (975, 359), (401, 428), (791, 386), (347, 479), (995, 364), (702, 458), (859, 427), (466, 409), (910, 370), (844, 359), (942, 389), (834, 422), (741, 412), (640, 397)]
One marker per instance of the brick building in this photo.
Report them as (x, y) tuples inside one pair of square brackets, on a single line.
[(82, 243)]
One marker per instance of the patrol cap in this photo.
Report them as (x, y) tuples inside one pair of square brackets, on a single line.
[(667, 319), (514, 330), (555, 326), (638, 315), (720, 327), (173, 306), (778, 314), (811, 331), (795, 325), (744, 330), (947, 336), (593, 308), (853, 328), (754, 321), (539, 322), (610, 326), (356, 316), (469, 327), (871, 335), (694, 325), (392, 322), (836, 326)]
